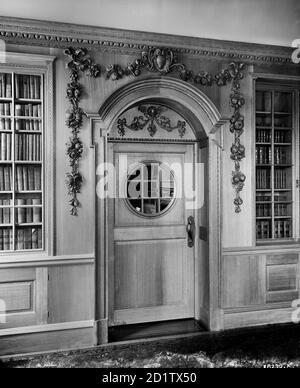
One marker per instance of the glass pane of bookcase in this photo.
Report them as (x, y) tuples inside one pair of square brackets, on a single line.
[(274, 164), (21, 162)]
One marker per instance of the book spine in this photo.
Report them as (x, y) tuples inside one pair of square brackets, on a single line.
[(29, 212), (21, 219), (37, 216)]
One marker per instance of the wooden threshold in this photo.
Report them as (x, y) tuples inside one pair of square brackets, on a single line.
[(156, 329)]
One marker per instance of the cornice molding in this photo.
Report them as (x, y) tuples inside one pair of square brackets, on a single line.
[(62, 35)]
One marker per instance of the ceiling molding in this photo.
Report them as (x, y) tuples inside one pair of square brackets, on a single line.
[(61, 35)]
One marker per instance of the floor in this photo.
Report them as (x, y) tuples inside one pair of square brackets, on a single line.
[(273, 346)]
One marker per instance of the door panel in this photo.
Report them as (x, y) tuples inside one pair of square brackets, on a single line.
[(151, 267)]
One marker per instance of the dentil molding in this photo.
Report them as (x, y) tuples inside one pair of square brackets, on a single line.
[(62, 35)]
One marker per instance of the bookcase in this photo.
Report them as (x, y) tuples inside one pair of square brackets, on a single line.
[(23, 209), (275, 163)]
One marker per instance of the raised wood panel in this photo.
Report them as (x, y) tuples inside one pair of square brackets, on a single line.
[(24, 292), (71, 293), (282, 278), (243, 281), (143, 280), (284, 258), (17, 296), (285, 296)]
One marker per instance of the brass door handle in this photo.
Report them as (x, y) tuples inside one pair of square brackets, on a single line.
[(191, 231)]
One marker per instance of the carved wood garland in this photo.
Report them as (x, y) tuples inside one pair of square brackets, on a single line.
[(159, 60)]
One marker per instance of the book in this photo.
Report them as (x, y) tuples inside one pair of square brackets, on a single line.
[(8, 89), (21, 215), (29, 212), (37, 211)]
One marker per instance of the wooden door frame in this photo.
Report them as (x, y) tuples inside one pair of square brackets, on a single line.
[(208, 125)]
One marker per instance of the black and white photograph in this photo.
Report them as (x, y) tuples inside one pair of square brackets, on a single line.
[(149, 187)]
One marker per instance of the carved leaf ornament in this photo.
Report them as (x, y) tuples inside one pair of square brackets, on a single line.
[(162, 61)]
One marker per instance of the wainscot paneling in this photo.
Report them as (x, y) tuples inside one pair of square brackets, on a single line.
[(243, 281), (23, 297), (71, 293)]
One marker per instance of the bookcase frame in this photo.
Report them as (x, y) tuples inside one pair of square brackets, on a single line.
[(36, 65), (280, 86)]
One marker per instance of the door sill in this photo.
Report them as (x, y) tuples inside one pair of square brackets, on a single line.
[(156, 329)]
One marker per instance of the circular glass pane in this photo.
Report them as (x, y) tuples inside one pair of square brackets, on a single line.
[(150, 189)]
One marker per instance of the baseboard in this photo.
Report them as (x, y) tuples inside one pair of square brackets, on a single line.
[(63, 336), (257, 318)]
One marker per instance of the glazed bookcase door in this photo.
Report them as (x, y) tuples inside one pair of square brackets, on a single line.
[(21, 161), (276, 170)]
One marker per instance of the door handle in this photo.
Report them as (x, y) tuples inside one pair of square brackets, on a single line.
[(191, 231)]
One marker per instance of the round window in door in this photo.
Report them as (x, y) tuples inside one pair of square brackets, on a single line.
[(150, 189)]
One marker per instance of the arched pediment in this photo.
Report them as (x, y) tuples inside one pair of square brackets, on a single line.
[(200, 112)]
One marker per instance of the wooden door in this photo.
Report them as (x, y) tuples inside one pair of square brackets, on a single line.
[(151, 266)]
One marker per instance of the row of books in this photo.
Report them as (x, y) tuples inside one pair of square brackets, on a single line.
[(28, 86), (280, 179), (282, 137), (263, 101), (281, 210), (5, 212), (26, 238), (5, 178), (28, 110), (282, 101), (263, 230), (5, 109), (263, 136), (28, 178), (282, 155), (5, 124), (263, 155), (282, 229), (5, 85), (27, 215), (263, 120), (283, 121), (263, 210), (28, 125), (263, 179), (5, 146), (263, 197), (6, 239), (28, 147)]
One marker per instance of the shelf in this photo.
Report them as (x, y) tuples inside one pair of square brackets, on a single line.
[(283, 113), (27, 113), (31, 224), (28, 118), (29, 192), (27, 162), (31, 132), (263, 144), (263, 112), (38, 101)]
